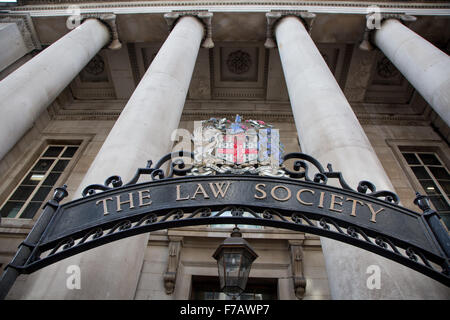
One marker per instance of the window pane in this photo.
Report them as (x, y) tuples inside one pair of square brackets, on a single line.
[(43, 165), (70, 151), (430, 187), (51, 179), (41, 194), (31, 210), (420, 173), (440, 173), (10, 209), (38, 182), (429, 158), (411, 158), (22, 193), (61, 165), (440, 203), (33, 178), (445, 185), (53, 152), (446, 219)]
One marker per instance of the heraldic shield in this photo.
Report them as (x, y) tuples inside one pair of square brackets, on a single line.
[(250, 146)]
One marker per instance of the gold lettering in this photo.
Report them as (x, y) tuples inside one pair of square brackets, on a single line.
[(300, 200), (355, 202), (179, 194), (272, 192), (374, 213), (142, 197), (201, 190), (322, 195), (105, 207), (333, 202), (264, 194), (130, 201), (219, 188)]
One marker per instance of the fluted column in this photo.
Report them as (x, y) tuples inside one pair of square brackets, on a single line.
[(329, 131), (426, 67), (142, 132), (26, 92)]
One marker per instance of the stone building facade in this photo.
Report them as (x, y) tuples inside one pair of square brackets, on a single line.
[(94, 88)]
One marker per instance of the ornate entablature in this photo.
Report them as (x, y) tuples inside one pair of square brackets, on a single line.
[(132, 3)]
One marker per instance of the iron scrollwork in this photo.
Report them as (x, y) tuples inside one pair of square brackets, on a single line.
[(405, 254), (299, 170)]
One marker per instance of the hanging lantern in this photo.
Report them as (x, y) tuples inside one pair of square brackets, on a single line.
[(234, 260)]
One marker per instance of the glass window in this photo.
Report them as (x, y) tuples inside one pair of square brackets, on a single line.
[(434, 178), (38, 182)]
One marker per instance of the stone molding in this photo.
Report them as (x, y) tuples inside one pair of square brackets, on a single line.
[(296, 254), (364, 119), (205, 18), (26, 28), (170, 275), (323, 6)]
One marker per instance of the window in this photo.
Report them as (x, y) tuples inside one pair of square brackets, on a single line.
[(38, 182), (434, 178), (208, 288)]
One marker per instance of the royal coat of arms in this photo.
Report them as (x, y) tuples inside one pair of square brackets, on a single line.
[(250, 146)]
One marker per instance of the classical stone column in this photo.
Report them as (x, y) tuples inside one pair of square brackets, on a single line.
[(329, 131), (142, 132), (26, 92), (426, 67)]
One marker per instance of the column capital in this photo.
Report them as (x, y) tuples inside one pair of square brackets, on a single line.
[(273, 17), (374, 21), (109, 20), (205, 18)]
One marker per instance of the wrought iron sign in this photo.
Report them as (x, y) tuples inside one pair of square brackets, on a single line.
[(286, 197)]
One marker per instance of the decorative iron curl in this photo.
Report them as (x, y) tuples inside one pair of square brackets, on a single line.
[(411, 254), (114, 181), (177, 167), (95, 233), (300, 170), (64, 244), (351, 231)]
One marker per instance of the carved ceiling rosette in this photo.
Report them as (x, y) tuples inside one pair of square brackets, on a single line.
[(385, 68), (239, 62), (96, 66)]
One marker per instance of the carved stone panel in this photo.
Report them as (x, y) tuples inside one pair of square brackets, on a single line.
[(93, 82), (239, 70), (387, 84)]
